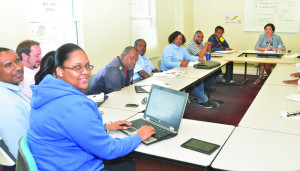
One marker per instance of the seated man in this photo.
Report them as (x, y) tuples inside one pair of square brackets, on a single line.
[(15, 105), (30, 53), (175, 55), (143, 67), (218, 43), (195, 47), (296, 81), (116, 74)]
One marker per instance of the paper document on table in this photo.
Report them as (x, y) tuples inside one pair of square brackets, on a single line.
[(170, 73), (285, 114), (294, 97), (149, 82), (193, 63), (296, 55), (251, 51), (269, 51), (97, 97), (225, 51)]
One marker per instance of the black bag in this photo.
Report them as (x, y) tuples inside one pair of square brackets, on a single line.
[(207, 65)]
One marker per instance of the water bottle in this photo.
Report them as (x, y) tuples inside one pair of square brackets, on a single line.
[(207, 55), (279, 49)]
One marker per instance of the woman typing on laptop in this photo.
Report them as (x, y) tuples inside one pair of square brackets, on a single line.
[(66, 129)]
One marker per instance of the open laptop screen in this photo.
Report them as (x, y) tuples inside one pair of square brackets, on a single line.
[(166, 106)]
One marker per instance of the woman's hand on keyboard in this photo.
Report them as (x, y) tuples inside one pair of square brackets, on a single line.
[(145, 132), (119, 125)]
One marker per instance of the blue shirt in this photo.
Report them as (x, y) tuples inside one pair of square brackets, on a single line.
[(112, 77), (14, 115), (67, 131), (172, 55), (143, 63)]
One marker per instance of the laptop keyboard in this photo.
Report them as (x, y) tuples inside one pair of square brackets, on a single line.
[(160, 132)]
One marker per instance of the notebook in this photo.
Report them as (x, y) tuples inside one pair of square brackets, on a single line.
[(164, 112)]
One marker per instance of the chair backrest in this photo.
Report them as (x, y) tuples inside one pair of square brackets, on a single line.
[(25, 161), (6, 158), (85, 91), (158, 64)]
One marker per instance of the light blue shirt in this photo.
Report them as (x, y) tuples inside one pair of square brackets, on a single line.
[(143, 63), (14, 115), (172, 55)]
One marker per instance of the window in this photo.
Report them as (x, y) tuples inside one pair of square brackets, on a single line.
[(143, 24), (53, 23)]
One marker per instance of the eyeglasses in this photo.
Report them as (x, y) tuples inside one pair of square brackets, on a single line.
[(79, 68)]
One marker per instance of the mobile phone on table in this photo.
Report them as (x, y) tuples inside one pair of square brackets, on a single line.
[(132, 105)]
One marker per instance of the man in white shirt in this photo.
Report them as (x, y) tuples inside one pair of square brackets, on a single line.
[(143, 67), (14, 105), (30, 53)]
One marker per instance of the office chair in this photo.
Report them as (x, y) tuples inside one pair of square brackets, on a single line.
[(158, 64), (6, 158), (25, 161)]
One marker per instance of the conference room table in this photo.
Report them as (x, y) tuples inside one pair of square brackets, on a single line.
[(236, 57), (251, 149), (128, 95), (282, 72), (170, 150), (264, 112)]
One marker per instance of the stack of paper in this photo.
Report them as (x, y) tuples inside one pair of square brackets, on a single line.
[(294, 97), (297, 65), (170, 73), (292, 56), (97, 97), (225, 51)]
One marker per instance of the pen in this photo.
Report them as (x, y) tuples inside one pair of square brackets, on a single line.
[(293, 114)]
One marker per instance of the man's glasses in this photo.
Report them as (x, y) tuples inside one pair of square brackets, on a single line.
[(79, 68)]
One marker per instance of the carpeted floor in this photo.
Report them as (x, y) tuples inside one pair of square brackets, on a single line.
[(237, 100)]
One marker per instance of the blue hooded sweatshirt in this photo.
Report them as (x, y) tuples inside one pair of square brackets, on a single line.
[(67, 132)]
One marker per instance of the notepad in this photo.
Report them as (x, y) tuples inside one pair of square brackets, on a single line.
[(294, 97)]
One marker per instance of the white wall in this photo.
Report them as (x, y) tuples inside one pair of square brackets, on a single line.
[(209, 14), (14, 27), (106, 29)]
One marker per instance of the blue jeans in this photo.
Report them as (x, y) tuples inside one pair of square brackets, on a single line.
[(199, 92)]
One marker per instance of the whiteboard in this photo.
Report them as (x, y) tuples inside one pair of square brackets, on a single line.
[(284, 14)]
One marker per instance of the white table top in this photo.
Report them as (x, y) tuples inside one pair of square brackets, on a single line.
[(261, 60), (119, 99), (113, 115), (282, 72), (191, 72), (252, 149), (170, 149), (264, 112), (127, 95)]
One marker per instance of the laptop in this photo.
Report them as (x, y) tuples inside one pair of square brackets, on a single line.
[(164, 112)]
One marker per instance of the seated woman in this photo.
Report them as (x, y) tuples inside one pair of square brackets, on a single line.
[(175, 55), (268, 41), (66, 129)]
